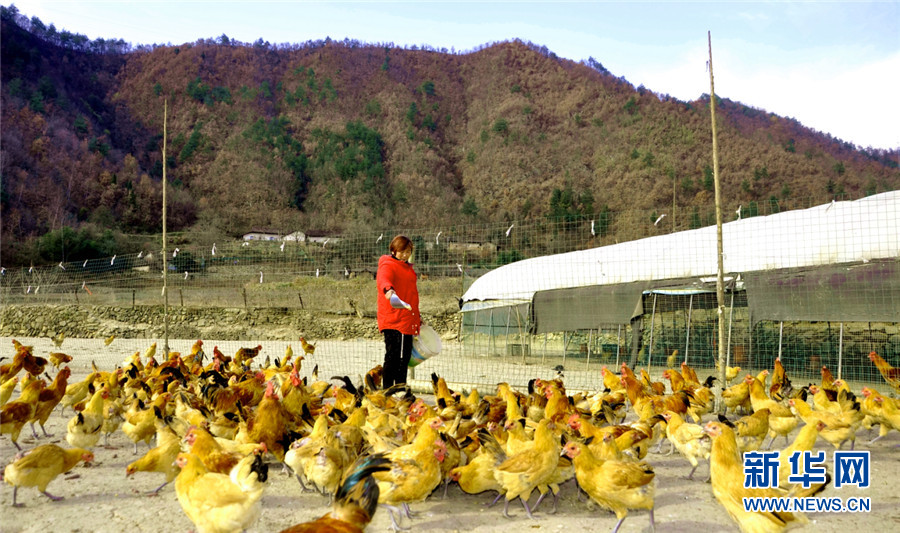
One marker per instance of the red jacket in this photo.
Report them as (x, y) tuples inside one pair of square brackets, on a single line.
[(400, 276)]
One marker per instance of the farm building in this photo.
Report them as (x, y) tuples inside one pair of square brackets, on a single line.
[(818, 286)]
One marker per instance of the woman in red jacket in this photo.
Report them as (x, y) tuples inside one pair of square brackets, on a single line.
[(398, 309)]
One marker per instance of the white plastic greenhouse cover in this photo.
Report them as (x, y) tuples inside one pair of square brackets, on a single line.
[(838, 232)]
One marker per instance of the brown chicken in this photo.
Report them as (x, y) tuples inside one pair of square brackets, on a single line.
[(614, 485), (42, 465), (17, 413), (270, 423), (890, 373), (48, 399), (59, 358), (244, 355), (727, 476), (354, 502)]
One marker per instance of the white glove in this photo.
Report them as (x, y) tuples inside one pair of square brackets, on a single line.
[(397, 303)]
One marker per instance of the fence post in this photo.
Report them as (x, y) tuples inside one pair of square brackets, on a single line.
[(76, 296), (840, 350), (181, 296), (132, 298), (298, 296), (244, 291)]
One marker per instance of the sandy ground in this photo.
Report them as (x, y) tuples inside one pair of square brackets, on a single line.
[(99, 498)]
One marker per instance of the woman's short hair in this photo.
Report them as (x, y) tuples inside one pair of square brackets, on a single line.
[(400, 243)]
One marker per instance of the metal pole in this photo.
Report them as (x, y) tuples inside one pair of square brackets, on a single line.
[(720, 277), (780, 336), (165, 253), (840, 349), (730, 323), (618, 343), (652, 321), (587, 362)]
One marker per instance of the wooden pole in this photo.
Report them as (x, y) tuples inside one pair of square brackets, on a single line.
[(165, 252), (720, 263)]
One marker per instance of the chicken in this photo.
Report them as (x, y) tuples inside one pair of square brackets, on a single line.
[(688, 439), (610, 380), (827, 379), (890, 373), (41, 465), (59, 358), (838, 428), (48, 400), (478, 475), (270, 423), (873, 408), (672, 360), (140, 422), (58, 339), (83, 429), (161, 458), (415, 470), (244, 355), (212, 454), (735, 396), (221, 503), (16, 413), (7, 388), (803, 442), (615, 485), (781, 420), (13, 367), (308, 348), (524, 471), (752, 430), (727, 477), (108, 340), (354, 502), (77, 392)]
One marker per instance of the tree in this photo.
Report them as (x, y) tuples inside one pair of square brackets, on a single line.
[(469, 208)]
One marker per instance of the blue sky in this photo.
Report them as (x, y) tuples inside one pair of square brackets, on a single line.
[(834, 66)]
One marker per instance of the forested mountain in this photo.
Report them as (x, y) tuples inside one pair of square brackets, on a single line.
[(342, 135)]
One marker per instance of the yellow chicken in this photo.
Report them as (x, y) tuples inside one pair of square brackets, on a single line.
[(220, 503), (614, 485), (42, 465), (688, 439), (84, 429), (160, 458), (523, 472)]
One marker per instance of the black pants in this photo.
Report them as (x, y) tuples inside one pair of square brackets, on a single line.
[(397, 351)]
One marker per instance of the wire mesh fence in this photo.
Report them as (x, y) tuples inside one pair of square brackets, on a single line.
[(311, 279)]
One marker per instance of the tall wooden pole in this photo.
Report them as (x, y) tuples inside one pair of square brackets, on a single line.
[(720, 263), (165, 252)]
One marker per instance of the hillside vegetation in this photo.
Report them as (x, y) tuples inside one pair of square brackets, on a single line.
[(345, 136)]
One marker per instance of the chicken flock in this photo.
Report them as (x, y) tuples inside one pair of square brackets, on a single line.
[(214, 425)]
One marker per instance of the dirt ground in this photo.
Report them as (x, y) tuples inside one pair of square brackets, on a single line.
[(99, 498)]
